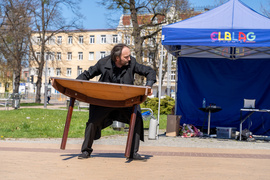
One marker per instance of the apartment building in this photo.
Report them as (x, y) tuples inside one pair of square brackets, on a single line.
[(68, 54)]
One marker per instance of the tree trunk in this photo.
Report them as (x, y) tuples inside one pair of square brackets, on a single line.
[(39, 83), (136, 33), (17, 78), (42, 58)]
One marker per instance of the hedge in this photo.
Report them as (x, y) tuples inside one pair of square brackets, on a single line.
[(166, 105)]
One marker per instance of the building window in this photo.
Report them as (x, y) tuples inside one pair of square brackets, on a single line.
[(127, 40), (49, 56), (80, 54), (103, 39), (59, 39), (68, 71), (162, 54), (91, 55), (152, 41), (38, 55), (49, 71), (70, 39), (173, 75), (38, 39), (58, 72), (80, 39), (115, 39), (150, 57), (92, 39), (102, 54), (59, 56), (36, 71), (69, 56), (79, 71), (174, 59), (51, 40)]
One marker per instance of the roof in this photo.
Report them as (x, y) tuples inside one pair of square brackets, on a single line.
[(142, 19), (233, 24)]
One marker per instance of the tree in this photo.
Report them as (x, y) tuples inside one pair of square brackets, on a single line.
[(153, 46), (148, 28), (47, 21), (13, 37)]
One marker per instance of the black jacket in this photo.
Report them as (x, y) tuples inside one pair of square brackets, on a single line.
[(104, 68)]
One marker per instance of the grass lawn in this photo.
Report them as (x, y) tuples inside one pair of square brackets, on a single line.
[(47, 123)]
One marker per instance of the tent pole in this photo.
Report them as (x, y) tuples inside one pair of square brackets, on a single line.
[(169, 70), (159, 83)]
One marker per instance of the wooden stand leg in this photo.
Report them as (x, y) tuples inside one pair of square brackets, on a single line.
[(69, 115), (131, 131)]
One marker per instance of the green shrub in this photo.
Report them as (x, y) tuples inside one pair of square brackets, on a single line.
[(166, 105)]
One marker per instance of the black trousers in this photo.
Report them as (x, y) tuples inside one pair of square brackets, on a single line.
[(101, 117)]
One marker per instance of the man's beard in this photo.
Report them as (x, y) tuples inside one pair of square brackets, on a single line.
[(124, 63)]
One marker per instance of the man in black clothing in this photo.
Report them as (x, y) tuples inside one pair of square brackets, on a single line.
[(119, 67)]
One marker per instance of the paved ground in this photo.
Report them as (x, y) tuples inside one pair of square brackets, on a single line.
[(167, 158)]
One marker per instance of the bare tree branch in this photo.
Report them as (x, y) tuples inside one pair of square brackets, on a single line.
[(47, 22), (147, 18)]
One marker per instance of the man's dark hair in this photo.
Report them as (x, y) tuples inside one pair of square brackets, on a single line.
[(117, 51)]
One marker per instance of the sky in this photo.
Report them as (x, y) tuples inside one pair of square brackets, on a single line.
[(96, 15)]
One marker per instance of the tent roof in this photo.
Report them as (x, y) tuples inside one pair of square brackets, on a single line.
[(231, 15), (232, 30)]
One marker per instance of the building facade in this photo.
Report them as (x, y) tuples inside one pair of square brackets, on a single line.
[(68, 54)]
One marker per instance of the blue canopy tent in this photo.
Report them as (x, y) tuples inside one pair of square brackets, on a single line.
[(223, 56)]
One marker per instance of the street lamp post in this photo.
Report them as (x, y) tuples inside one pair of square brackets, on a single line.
[(46, 85), (160, 83)]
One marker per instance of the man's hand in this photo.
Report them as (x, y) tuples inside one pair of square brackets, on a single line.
[(150, 93)]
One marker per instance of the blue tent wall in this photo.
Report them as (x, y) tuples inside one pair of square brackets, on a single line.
[(225, 83)]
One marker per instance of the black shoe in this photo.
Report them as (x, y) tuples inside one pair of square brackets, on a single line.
[(84, 155), (136, 156)]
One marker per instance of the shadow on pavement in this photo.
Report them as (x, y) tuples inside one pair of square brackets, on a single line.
[(146, 157), (69, 156), (105, 155)]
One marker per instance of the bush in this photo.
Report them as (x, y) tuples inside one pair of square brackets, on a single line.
[(166, 105)]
